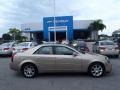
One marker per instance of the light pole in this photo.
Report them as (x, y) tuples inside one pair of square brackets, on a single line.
[(54, 23)]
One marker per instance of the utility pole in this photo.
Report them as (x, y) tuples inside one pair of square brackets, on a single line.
[(54, 23)]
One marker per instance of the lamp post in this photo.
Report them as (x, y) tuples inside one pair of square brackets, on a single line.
[(54, 23)]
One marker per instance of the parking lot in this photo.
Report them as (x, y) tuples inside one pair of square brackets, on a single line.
[(10, 80)]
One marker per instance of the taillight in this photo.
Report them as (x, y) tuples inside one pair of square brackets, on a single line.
[(24, 49), (6, 49), (102, 48), (116, 48), (86, 49), (14, 49)]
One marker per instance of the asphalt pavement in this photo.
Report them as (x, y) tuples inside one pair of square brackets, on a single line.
[(10, 80)]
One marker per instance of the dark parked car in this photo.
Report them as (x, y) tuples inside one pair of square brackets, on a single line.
[(80, 45), (118, 42)]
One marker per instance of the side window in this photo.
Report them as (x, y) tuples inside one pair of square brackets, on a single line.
[(44, 50), (60, 50)]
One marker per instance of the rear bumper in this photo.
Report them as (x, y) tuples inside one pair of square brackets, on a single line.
[(5, 53), (110, 52)]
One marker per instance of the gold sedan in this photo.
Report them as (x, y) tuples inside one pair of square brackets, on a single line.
[(59, 58)]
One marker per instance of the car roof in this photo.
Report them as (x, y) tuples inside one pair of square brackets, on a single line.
[(106, 41), (52, 44), (32, 50)]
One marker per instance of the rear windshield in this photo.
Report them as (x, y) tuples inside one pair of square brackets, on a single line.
[(81, 43), (5, 44), (23, 44), (107, 43)]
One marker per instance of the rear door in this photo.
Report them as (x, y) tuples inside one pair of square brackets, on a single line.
[(44, 58)]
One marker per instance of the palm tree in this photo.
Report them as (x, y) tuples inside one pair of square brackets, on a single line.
[(15, 33), (95, 27)]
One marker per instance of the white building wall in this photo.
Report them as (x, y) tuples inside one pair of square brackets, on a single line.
[(77, 24), (32, 26), (81, 24)]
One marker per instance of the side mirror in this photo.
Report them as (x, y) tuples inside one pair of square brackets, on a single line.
[(74, 54)]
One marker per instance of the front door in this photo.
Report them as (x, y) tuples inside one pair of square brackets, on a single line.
[(65, 60)]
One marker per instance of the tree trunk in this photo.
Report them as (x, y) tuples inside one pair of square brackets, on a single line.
[(94, 35)]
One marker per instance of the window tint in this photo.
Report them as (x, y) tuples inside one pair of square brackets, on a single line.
[(60, 50), (44, 50), (5, 44), (23, 44), (107, 43)]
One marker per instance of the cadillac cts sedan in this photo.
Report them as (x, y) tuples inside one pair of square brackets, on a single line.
[(59, 58)]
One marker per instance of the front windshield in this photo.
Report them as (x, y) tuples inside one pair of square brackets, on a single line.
[(23, 44)]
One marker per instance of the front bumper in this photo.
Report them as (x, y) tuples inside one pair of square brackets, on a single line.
[(108, 67), (13, 66), (6, 53)]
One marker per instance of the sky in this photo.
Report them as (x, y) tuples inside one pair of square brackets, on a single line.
[(13, 13)]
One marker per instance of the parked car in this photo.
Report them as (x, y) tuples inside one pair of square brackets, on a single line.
[(80, 45), (58, 58), (118, 42), (48, 42), (66, 42), (6, 48), (106, 47), (23, 46)]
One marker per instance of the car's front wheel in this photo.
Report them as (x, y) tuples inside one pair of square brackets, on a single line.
[(29, 70), (96, 70)]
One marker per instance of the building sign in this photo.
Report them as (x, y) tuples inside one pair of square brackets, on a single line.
[(58, 28), (58, 21), (63, 23)]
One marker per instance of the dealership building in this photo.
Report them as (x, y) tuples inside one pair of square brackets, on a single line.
[(64, 27)]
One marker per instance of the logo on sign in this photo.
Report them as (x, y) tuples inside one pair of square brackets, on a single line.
[(58, 21)]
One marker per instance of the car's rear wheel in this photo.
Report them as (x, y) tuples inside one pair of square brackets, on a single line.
[(29, 70), (96, 70)]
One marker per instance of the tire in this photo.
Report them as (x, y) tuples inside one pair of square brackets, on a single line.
[(29, 70), (96, 70)]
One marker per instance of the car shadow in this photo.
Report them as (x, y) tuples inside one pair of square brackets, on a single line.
[(62, 75)]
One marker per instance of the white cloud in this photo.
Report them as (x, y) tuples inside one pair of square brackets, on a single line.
[(15, 12)]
